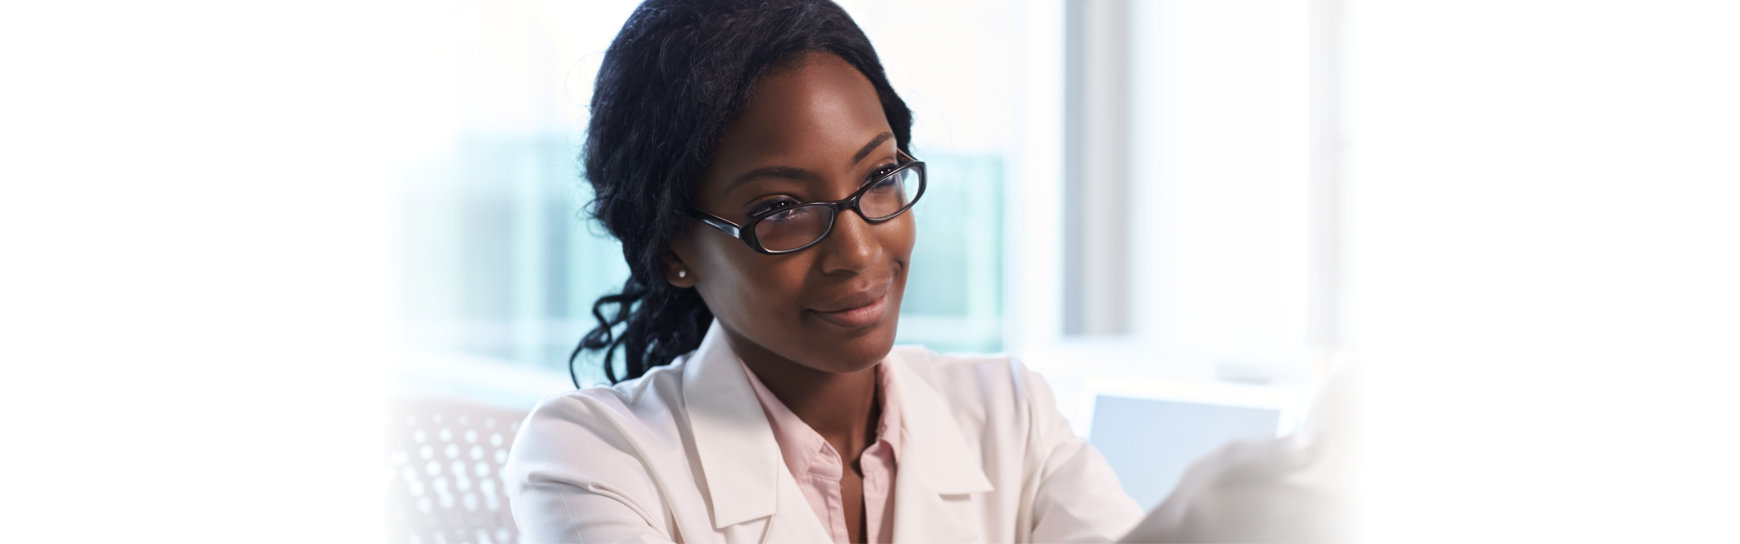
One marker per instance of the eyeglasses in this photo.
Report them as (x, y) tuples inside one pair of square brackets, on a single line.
[(789, 227)]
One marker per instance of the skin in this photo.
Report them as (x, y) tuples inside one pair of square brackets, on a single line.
[(810, 120)]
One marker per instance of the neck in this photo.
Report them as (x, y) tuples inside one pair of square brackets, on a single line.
[(842, 407)]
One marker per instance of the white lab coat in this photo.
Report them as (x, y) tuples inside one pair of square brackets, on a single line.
[(685, 454)]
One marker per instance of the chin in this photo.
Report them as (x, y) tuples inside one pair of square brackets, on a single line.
[(861, 351), (841, 350)]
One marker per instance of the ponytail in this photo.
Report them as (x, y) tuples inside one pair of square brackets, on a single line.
[(659, 324)]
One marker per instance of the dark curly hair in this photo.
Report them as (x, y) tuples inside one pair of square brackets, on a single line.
[(674, 77)]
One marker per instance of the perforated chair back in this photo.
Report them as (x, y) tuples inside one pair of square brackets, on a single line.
[(445, 458)]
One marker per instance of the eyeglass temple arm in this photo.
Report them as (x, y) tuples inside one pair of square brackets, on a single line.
[(716, 222)]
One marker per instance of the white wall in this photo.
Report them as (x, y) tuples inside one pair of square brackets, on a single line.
[(1542, 260)]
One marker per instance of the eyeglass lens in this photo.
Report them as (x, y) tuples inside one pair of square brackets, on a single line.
[(801, 225)]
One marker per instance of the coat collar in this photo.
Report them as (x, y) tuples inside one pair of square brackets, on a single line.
[(745, 478), (740, 463), (939, 475), (932, 444)]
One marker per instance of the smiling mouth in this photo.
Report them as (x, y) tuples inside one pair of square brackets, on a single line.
[(859, 316)]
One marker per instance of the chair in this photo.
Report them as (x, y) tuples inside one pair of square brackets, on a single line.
[(445, 458)]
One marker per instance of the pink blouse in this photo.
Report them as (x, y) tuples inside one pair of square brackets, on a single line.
[(818, 468)]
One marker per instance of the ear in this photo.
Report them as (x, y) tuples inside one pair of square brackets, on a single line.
[(677, 272)]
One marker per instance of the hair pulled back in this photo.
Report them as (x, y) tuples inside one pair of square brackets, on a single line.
[(674, 77)]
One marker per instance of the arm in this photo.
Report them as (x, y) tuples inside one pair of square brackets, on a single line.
[(1292, 489), (1075, 495), (1245, 491)]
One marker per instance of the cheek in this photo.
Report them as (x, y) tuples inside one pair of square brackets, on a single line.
[(749, 291), (904, 237)]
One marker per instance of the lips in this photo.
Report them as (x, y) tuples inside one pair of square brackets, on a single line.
[(858, 309)]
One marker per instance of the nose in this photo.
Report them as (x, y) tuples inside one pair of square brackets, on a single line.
[(851, 247)]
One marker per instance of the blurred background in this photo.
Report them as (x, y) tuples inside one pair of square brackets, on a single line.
[(235, 233), (1134, 197)]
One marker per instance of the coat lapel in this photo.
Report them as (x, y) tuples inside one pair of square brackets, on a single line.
[(742, 473), (939, 476), (746, 481), (795, 521)]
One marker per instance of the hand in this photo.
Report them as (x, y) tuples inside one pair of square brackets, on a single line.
[(1291, 489)]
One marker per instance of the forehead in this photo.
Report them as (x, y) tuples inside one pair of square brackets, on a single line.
[(814, 113)]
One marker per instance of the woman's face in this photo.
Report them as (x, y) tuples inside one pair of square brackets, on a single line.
[(811, 132)]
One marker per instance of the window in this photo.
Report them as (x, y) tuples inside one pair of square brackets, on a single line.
[(502, 265), (1208, 214)]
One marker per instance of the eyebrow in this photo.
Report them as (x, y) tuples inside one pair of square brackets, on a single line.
[(799, 174), (865, 151)]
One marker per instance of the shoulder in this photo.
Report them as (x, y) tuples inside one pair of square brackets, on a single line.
[(647, 399), (932, 366), (983, 385), (603, 418), (992, 370)]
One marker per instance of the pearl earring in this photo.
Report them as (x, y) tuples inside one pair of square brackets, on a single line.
[(682, 273)]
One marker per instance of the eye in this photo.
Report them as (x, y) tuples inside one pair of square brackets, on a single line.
[(883, 178), (883, 171), (771, 205)]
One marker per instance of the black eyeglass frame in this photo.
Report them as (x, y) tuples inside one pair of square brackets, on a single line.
[(746, 232)]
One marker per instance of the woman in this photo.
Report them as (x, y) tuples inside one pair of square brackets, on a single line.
[(753, 160)]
